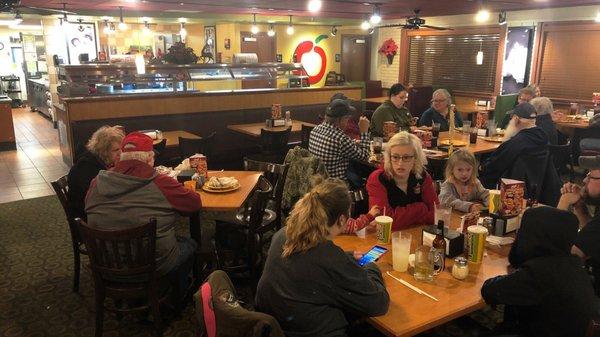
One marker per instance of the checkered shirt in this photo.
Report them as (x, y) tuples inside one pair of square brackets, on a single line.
[(335, 148)]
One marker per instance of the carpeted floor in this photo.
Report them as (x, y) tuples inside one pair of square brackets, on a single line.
[(36, 273), (36, 277)]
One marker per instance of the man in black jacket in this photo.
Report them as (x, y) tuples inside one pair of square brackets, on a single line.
[(576, 199), (523, 137), (549, 293)]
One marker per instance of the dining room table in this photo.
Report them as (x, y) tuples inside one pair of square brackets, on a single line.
[(411, 313), (216, 201), (253, 129), (172, 137)]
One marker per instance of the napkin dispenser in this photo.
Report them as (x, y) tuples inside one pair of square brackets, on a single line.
[(503, 225), (185, 175), (455, 241)]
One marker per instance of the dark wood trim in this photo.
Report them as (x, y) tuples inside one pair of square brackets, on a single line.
[(8, 146), (403, 58), (369, 41), (456, 31), (534, 78), (500, 58)]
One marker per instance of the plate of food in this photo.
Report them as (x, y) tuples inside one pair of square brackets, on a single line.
[(494, 139), (456, 142), (221, 184)]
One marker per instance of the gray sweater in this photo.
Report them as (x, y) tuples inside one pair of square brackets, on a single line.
[(450, 196)]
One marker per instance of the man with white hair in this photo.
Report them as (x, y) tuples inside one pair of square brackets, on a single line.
[(438, 112), (522, 136), (543, 108), (132, 192)]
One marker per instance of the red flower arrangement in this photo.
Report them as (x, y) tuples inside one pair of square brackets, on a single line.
[(389, 48)]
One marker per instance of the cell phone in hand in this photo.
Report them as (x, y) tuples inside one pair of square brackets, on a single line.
[(372, 255)]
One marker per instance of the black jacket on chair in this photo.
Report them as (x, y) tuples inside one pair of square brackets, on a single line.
[(540, 176), (549, 294), (80, 176)]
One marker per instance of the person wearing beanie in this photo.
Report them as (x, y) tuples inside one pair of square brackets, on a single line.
[(548, 293), (132, 192)]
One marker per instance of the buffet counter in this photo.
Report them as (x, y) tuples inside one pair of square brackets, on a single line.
[(200, 113)]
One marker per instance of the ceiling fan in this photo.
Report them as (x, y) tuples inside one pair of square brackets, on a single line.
[(414, 22), (14, 6)]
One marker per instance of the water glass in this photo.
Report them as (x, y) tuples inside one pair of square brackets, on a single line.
[(442, 213), (400, 250), (491, 128), (466, 126)]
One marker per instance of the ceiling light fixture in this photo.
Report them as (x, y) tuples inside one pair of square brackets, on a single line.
[(483, 15), (271, 31), (376, 16), (598, 17), (106, 28), (122, 24), (314, 5), (365, 25), (254, 29), (371, 30), (502, 17), (290, 27), (479, 57), (333, 30), (146, 29), (182, 30)]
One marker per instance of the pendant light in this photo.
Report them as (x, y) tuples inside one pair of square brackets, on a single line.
[(122, 24), (334, 30), (290, 28), (376, 16), (483, 15), (271, 31), (254, 29), (146, 30), (365, 25), (182, 30), (106, 29), (479, 57)]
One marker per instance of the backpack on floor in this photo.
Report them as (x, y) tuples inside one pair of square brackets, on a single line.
[(220, 314)]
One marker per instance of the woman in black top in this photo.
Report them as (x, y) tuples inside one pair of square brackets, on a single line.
[(102, 152), (309, 284)]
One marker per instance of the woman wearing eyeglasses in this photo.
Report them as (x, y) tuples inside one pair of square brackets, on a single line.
[(402, 186), (438, 113)]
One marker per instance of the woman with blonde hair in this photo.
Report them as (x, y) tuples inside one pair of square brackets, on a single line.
[(309, 284), (102, 152), (402, 187)]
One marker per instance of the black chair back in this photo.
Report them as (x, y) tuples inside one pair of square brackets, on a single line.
[(274, 142), (276, 175), (306, 129), (205, 145), (61, 188), (436, 167), (359, 202), (562, 158), (541, 179)]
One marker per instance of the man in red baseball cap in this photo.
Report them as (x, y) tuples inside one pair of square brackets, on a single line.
[(132, 192)]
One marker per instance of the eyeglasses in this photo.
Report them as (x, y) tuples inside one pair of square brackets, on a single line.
[(408, 158), (438, 100)]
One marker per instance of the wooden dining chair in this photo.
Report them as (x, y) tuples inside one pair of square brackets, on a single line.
[(305, 135), (276, 175), (189, 146), (159, 152), (245, 254), (562, 158), (273, 145), (123, 264), (359, 202), (61, 188)]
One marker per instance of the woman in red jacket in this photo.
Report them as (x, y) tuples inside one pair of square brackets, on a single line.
[(403, 186)]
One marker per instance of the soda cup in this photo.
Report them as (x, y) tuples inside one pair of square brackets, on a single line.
[(476, 242), (494, 202), (384, 229)]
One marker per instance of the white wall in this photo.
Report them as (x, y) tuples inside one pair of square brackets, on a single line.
[(389, 74)]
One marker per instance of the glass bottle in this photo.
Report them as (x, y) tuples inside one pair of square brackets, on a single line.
[(439, 244)]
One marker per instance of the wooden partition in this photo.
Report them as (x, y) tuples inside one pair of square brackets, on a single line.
[(7, 130), (198, 113)]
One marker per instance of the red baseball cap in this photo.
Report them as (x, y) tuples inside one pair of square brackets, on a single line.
[(136, 141)]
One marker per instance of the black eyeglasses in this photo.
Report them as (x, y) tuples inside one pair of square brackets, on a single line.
[(408, 158), (589, 176)]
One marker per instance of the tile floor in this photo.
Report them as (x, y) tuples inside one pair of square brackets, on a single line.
[(27, 172)]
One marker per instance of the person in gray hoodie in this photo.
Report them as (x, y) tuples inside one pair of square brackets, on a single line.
[(132, 192)]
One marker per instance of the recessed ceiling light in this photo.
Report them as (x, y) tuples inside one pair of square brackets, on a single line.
[(482, 16), (314, 6), (366, 4), (270, 21), (271, 9)]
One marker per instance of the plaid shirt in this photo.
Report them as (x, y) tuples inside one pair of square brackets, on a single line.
[(335, 148)]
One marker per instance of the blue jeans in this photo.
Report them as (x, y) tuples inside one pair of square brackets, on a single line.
[(179, 275)]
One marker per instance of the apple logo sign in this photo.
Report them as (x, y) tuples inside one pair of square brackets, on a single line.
[(313, 58)]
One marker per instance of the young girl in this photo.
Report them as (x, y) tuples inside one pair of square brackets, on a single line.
[(462, 190)]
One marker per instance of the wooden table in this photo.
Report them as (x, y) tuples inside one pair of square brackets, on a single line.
[(253, 129), (377, 100), (573, 124), (410, 313), (230, 201), (172, 137), (482, 146)]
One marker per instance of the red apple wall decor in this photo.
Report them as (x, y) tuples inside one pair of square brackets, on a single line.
[(313, 58)]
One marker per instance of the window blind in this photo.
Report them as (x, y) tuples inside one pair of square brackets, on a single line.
[(449, 61), (569, 64)]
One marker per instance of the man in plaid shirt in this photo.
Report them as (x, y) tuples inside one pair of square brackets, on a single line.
[(329, 142)]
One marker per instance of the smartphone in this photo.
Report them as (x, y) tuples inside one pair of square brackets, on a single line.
[(372, 255)]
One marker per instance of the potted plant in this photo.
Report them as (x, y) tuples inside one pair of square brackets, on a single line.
[(389, 49), (180, 54)]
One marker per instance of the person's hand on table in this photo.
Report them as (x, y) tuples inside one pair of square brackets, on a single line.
[(475, 207), (363, 124), (357, 255)]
